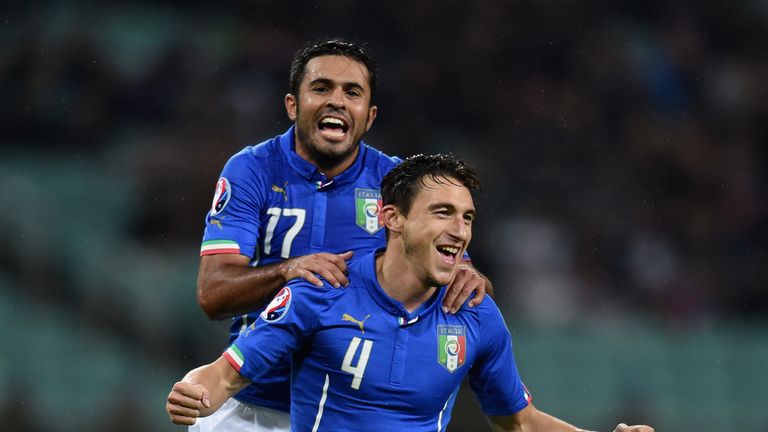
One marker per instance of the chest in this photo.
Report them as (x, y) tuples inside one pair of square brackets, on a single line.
[(370, 356), (300, 218)]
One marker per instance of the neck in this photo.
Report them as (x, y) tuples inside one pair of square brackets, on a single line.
[(399, 278)]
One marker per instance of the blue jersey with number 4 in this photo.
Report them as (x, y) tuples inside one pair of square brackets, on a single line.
[(361, 361), (270, 204)]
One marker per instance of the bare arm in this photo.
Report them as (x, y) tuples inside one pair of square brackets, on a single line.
[(228, 286), (467, 280), (529, 419), (202, 391)]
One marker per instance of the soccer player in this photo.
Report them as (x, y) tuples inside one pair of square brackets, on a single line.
[(300, 205), (381, 354)]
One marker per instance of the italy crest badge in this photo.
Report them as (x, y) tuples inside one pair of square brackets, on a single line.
[(451, 346)]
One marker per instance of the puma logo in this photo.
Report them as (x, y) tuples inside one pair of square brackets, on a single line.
[(348, 317), (217, 222), (278, 189)]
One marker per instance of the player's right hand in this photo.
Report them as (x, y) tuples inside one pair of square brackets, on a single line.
[(185, 401), (332, 267)]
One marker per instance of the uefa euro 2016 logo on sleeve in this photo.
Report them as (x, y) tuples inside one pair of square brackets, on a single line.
[(451, 346), (368, 210), (220, 196), (278, 307)]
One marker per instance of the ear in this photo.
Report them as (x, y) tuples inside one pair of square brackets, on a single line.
[(372, 111), (291, 105), (392, 218)]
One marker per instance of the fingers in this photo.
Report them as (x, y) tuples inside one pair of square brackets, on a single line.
[(461, 287), (454, 289), (480, 291), (623, 427), (309, 276), (185, 401), (331, 267)]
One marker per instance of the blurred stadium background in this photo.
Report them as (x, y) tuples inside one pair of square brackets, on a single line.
[(623, 221)]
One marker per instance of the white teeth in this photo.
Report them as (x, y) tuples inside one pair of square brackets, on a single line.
[(333, 121), (450, 249)]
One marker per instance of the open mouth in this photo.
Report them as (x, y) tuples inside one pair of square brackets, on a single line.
[(333, 127), (449, 253)]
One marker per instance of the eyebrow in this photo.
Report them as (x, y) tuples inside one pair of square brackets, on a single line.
[(450, 207), (330, 82)]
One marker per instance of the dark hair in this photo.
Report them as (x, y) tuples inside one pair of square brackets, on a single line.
[(400, 186), (338, 47)]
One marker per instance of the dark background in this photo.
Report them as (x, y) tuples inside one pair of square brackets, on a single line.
[(623, 221)]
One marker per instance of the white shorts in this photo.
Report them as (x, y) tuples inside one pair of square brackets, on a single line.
[(236, 416)]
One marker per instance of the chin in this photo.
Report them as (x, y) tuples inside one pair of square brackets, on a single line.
[(440, 279)]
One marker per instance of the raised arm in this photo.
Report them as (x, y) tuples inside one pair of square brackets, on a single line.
[(203, 391), (227, 285)]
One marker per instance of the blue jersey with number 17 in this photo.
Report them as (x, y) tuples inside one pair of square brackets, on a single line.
[(361, 361), (270, 204)]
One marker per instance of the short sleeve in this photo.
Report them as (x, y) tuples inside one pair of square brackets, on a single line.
[(494, 376), (233, 222), (282, 328)]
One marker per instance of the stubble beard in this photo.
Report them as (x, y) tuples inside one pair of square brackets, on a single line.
[(324, 160), (412, 252)]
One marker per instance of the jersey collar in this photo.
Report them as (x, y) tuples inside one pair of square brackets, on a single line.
[(367, 266), (309, 171)]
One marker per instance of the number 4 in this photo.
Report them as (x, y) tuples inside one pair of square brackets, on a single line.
[(359, 370)]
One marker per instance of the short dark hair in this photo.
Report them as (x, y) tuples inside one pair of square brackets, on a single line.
[(400, 186), (338, 47)]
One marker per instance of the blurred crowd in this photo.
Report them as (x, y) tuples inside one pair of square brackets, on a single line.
[(618, 142)]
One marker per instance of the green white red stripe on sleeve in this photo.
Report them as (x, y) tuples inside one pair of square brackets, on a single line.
[(212, 247), (234, 357)]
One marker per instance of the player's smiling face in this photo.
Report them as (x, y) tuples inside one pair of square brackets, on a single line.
[(438, 228), (332, 111)]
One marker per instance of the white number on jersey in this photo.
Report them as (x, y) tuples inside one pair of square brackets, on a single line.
[(274, 215), (359, 370)]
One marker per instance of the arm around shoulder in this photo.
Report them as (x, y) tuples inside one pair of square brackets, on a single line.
[(228, 286)]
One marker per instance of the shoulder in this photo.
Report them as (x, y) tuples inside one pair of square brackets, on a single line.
[(379, 161), (258, 154), (269, 149), (254, 162), (487, 313), (297, 300), (304, 292)]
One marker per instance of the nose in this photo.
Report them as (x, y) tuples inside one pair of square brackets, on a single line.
[(336, 98), (460, 229)]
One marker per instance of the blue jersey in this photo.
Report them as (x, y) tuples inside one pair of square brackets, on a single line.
[(270, 204), (361, 361)]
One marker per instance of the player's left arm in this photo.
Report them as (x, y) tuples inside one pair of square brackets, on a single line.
[(466, 281), (497, 383), (529, 419)]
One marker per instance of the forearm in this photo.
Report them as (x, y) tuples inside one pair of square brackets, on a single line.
[(221, 381), (229, 290), (531, 420), (543, 422)]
